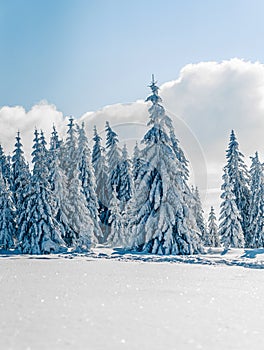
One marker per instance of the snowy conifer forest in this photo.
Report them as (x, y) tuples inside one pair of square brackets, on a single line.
[(131, 204), (73, 196)]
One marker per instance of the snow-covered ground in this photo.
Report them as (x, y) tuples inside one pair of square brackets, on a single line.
[(108, 300)]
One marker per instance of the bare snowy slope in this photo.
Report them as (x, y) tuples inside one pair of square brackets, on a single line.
[(121, 302)]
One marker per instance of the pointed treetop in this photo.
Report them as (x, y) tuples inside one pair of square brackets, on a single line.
[(256, 156), (55, 143), (97, 137), (124, 152), (71, 119), (54, 130), (154, 98), (42, 134), (153, 86), (18, 139), (136, 149), (233, 139), (111, 136), (212, 214), (82, 125), (36, 133)]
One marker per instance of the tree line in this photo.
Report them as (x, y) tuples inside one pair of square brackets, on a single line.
[(74, 197)]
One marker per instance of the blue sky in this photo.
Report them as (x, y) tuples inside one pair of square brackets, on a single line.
[(82, 55)]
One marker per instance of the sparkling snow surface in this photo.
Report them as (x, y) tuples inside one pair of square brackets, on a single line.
[(96, 303)]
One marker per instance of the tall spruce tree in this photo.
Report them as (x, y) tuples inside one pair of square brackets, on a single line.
[(60, 205), (164, 223), (126, 181), (239, 178), (5, 167), (136, 161), (101, 188), (7, 216), (69, 153), (53, 155), (79, 218), (117, 235), (20, 176), (39, 232), (55, 142), (87, 179), (43, 144), (199, 213), (113, 157), (230, 228), (255, 232), (212, 238)]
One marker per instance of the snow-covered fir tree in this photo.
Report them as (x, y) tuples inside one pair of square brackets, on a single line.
[(69, 153), (239, 178), (79, 218), (39, 231), (164, 223), (43, 144), (101, 187), (8, 172), (198, 213), (212, 238), (7, 216), (55, 142), (126, 181), (20, 175), (5, 167), (230, 228), (59, 199), (116, 220), (57, 178), (136, 161), (87, 179), (113, 157), (2, 159), (69, 165), (255, 232)]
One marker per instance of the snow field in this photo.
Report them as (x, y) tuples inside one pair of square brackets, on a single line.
[(84, 303)]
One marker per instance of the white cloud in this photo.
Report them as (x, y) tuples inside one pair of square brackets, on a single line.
[(214, 98), (42, 116), (205, 102)]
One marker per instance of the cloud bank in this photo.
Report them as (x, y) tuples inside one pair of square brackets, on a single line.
[(41, 116), (206, 101)]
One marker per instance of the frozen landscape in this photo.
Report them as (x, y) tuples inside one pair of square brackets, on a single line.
[(111, 300), (175, 282), (131, 175)]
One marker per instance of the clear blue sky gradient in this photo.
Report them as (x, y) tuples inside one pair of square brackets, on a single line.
[(82, 55)]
